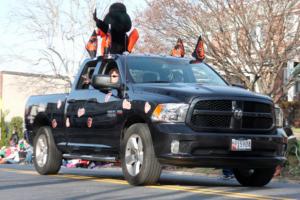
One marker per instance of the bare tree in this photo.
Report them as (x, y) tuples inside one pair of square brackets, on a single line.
[(60, 29), (251, 40)]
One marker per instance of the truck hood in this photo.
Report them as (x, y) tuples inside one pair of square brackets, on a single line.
[(186, 92)]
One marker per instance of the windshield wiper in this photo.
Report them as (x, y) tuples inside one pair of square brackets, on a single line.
[(157, 82)]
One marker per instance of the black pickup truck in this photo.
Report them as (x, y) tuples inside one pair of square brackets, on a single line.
[(161, 111)]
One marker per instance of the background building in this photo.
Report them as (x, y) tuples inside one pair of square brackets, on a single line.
[(294, 92), (16, 87)]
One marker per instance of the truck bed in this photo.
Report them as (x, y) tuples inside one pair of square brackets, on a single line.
[(50, 107)]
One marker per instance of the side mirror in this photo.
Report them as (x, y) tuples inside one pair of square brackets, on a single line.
[(102, 82)]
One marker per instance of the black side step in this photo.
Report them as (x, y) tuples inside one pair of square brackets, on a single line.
[(90, 157)]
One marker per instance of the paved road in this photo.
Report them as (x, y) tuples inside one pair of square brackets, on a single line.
[(22, 182)]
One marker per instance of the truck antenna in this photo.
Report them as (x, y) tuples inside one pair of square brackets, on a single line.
[(125, 66)]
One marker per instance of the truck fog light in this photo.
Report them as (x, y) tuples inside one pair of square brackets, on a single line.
[(175, 146)]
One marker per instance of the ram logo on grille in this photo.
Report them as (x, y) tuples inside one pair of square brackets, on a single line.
[(237, 113)]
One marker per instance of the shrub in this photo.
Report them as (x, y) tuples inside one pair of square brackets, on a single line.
[(4, 134)]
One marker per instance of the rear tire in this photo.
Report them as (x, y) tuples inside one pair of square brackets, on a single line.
[(47, 158), (139, 163), (254, 177)]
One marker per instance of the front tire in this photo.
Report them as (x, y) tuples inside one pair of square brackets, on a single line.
[(47, 158), (139, 163), (254, 177)]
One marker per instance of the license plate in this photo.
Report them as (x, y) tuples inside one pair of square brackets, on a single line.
[(240, 145)]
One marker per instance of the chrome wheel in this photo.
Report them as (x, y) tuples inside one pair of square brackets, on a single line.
[(134, 154), (41, 151), (139, 163)]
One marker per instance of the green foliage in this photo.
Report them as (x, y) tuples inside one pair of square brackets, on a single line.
[(4, 137), (3, 141), (16, 123)]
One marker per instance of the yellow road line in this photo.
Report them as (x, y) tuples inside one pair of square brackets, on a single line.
[(92, 178), (216, 192), (198, 190), (20, 171)]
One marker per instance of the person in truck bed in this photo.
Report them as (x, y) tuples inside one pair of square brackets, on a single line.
[(86, 78), (120, 23)]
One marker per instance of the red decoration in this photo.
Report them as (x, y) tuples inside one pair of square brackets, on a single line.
[(80, 112), (67, 122), (89, 122), (59, 104), (126, 104), (54, 123), (147, 107), (107, 97)]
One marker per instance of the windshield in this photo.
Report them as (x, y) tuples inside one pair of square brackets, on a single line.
[(170, 70)]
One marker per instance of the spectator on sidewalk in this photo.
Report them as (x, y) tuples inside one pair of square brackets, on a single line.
[(14, 139), (12, 157), (227, 174), (29, 152)]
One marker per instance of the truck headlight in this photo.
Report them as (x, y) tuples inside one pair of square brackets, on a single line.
[(170, 112), (278, 116)]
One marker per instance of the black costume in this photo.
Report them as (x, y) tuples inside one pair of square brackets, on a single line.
[(120, 24)]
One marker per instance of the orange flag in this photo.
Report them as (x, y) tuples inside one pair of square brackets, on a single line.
[(178, 50), (92, 45), (133, 37), (199, 50)]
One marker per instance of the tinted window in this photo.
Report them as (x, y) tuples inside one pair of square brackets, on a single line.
[(166, 70), (86, 75)]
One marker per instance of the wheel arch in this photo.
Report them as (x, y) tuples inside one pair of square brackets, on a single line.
[(130, 121), (40, 120)]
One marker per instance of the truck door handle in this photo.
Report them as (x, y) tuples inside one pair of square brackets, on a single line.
[(93, 100), (71, 101)]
